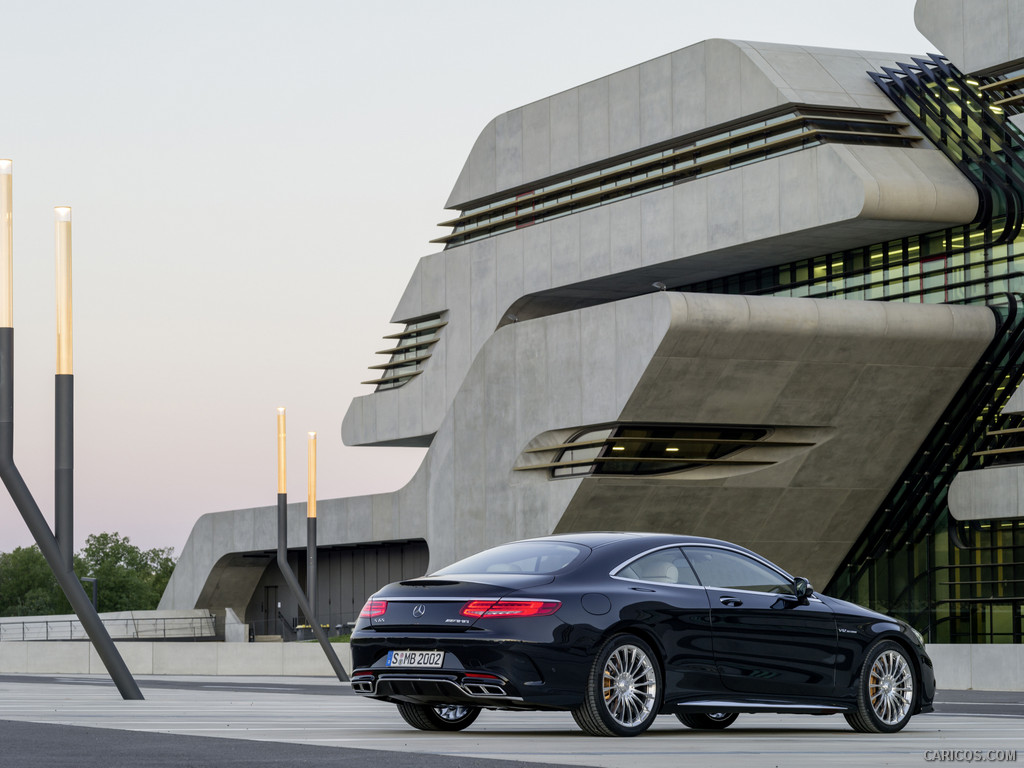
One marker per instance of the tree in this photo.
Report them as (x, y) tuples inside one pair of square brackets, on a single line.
[(28, 587), (129, 579)]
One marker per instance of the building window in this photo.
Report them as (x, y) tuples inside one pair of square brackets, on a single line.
[(1003, 447), (1006, 91), (686, 158), (653, 449), (409, 352)]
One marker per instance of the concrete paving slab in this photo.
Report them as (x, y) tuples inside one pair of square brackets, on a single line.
[(60, 746), (321, 712)]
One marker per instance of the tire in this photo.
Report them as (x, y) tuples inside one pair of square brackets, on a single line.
[(714, 721), (446, 717), (623, 690), (886, 690)]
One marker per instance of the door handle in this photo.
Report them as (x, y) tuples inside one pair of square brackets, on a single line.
[(732, 602), (642, 589)]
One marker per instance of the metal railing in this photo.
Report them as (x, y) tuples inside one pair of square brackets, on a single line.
[(334, 625), (174, 628)]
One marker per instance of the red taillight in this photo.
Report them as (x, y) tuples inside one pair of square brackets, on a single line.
[(494, 609), (373, 608)]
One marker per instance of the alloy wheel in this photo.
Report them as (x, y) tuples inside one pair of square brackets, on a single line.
[(891, 687), (452, 712), (630, 685)]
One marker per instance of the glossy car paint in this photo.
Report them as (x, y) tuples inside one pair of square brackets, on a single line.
[(719, 649)]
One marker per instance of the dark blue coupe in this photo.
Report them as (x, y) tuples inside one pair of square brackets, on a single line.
[(619, 628)]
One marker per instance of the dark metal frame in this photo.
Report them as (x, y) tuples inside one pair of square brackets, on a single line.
[(64, 466), (293, 585), (311, 564), (51, 550)]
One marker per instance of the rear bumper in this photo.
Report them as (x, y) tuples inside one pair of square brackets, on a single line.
[(485, 672), (436, 688)]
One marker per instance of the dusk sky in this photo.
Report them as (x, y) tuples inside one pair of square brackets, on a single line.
[(252, 184)]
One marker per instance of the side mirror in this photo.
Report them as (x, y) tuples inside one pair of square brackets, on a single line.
[(802, 588)]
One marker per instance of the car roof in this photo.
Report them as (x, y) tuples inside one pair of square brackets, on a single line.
[(595, 539), (632, 541)]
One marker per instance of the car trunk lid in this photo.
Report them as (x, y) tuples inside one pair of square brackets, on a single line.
[(436, 604)]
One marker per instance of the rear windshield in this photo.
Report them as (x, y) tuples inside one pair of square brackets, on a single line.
[(520, 557)]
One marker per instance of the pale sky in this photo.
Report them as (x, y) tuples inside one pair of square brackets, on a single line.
[(252, 184)]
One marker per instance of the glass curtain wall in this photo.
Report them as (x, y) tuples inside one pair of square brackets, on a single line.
[(955, 582)]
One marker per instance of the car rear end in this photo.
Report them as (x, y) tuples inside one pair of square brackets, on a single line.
[(493, 639)]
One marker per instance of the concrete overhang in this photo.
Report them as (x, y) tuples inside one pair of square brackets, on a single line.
[(808, 203), (876, 375), (976, 35), (804, 204), (994, 493), (712, 83)]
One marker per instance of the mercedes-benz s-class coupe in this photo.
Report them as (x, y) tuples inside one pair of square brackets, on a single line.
[(618, 628)]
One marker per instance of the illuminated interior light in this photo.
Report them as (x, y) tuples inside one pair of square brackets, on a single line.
[(671, 450)]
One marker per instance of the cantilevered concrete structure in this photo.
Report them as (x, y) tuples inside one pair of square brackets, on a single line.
[(754, 291)]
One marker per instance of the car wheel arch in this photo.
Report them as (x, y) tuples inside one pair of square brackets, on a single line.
[(645, 634), (908, 648)]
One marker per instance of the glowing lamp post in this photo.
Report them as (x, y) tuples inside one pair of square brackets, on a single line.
[(6, 244), (282, 547), (57, 553), (64, 395), (311, 525)]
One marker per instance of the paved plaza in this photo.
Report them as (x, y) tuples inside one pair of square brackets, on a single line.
[(311, 721)]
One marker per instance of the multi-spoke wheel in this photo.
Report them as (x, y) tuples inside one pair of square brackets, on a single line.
[(623, 691), (885, 691), (712, 721), (446, 717)]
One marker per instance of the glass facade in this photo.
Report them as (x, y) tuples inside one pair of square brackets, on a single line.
[(961, 265), (954, 581)]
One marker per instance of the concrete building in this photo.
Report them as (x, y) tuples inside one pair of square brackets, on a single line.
[(753, 291)]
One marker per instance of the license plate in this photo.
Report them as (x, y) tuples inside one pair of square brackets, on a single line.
[(415, 659)]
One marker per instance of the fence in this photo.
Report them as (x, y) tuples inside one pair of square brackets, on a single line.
[(121, 628), (298, 628)]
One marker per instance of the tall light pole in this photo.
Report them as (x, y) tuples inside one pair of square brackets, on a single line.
[(282, 555), (12, 479), (311, 525), (64, 395), (6, 244)]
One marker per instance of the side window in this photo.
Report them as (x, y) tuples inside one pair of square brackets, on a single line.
[(666, 566), (731, 570)]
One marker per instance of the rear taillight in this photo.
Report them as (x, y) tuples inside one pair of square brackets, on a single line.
[(494, 609), (373, 608)]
